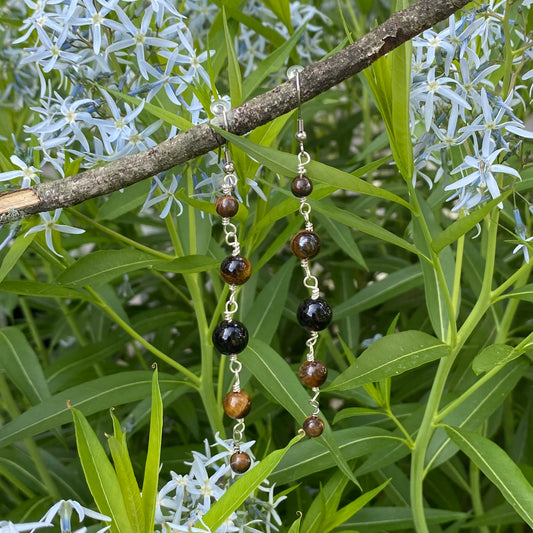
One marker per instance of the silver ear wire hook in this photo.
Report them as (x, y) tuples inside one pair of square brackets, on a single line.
[(218, 108), (294, 72)]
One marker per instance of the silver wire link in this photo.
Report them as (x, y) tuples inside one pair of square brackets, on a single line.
[(231, 304), (235, 366), (310, 281), (310, 343), (305, 211), (238, 430), (303, 159), (314, 401), (231, 235)]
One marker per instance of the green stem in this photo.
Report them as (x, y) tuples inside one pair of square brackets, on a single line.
[(28, 317), (408, 440), (477, 504), (457, 274), (427, 425), (33, 449), (195, 380), (508, 53), (119, 237)]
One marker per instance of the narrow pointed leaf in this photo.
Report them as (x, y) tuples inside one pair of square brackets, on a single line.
[(499, 468), (20, 363), (153, 458), (100, 476), (41, 290), (275, 375), (93, 396), (295, 526), (15, 253), (234, 69), (390, 356), (489, 357), (243, 487), (126, 477), (188, 264), (102, 266)]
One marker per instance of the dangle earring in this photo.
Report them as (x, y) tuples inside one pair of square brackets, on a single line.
[(230, 336), (314, 313)]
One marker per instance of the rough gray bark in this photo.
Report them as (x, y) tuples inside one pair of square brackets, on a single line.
[(315, 79)]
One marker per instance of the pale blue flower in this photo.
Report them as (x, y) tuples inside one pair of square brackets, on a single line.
[(520, 230), (28, 173), (9, 527), (49, 224), (64, 509), (167, 195)]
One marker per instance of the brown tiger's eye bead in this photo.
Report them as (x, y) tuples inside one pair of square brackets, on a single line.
[(227, 206), (301, 186), (313, 373), (240, 462), (237, 404), (235, 270), (313, 426), (305, 244)]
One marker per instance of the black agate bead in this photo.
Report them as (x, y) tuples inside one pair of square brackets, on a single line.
[(314, 314), (230, 337)]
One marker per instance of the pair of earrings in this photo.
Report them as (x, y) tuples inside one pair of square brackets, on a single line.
[(230, 336)]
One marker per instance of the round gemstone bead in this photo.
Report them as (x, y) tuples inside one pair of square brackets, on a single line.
[(313, 373), (313, 426), (227, 206), (301, 186), (235, 270), (237, 404), (230, 337), (305, 244), (314, 314), (240, 462)]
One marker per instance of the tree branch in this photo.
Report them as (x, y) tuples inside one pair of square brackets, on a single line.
[(315, 79)]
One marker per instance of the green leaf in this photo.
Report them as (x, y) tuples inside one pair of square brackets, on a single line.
[(389, 356), (471, 414), (522, 293), (310, 457), (126, 478), (273, 63), (234, 68), (159, 112), (243, 487), (353, 221), (102, 266), (153, 457), (350, 412), (20, 363), (395, 284), (295, 526), (489, 357), (325, 503), (100, 476), (287, 164), (275, 376), (188, 264), (498, 467), (353, 507), (344, 240), (281, 8), (122, 202), (465, 224), (42, 290), (379, 519), (92, 396), (14, 253), (263, 318)]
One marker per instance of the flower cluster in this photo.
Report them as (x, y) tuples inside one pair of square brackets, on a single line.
[(463, 120), (184, 500)]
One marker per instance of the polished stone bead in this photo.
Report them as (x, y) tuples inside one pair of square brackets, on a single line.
[(235, 270), (227, 206), (313, 426), (301, 186), (240, 462), (230, 337), (314, 314), (305, 244), (237, 404), (313, 373)]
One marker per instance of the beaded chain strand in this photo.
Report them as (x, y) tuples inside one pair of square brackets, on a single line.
[(314, 313), (230, 336)]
